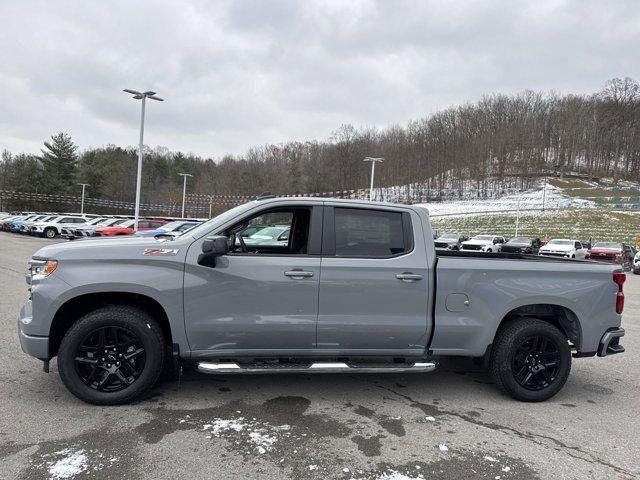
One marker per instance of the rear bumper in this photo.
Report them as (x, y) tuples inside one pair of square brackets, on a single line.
[(610, 342)]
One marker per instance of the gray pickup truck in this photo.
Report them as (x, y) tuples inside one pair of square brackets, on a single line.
[(356, 287)]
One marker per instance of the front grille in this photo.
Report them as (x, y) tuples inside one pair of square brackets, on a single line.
[(510, 249), (554, 254), (472, 247), (441, 245)]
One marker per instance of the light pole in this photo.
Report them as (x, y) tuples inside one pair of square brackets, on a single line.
[(140, 96), (82, 202), (184, 189), (373, 161)]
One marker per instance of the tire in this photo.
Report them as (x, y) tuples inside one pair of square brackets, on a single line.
[(138, 373), (49, 233), (636, 271), (508, 359)]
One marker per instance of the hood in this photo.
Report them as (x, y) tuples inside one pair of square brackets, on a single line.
[(448, 241), (106, 248), (557, 248), (478, 242), (604, 250)]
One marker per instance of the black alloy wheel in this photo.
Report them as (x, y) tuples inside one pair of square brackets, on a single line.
[(530, 359), (536, 362), (110, 359), (112, 355)]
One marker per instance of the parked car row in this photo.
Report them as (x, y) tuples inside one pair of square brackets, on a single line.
[(609, 252), (72, 226)]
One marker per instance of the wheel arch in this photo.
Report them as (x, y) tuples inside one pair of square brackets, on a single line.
[(75, 308), (561, 316)]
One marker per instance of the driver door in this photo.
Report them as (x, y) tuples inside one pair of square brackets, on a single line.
[(262, 297)]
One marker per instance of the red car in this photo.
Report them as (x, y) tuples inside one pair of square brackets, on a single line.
[(611, 252), (126, 228)]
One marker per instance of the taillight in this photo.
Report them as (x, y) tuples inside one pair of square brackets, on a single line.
[(619, 279)]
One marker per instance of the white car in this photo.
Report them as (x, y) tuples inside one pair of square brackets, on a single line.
[(53, 227), (562, 247), (636, 263), (483, 243)]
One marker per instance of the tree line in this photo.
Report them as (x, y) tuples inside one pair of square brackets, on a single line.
[(500, 138)]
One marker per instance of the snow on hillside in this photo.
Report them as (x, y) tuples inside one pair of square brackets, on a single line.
[(531, 200)]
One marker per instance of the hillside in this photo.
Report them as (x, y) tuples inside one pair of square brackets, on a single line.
[(575, 209)]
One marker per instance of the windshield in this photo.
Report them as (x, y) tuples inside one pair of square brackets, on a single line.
[(560, 242), (269, 232), (169, 227), (95, 221), (128, 223), (112, 221), (449, 236), (608, 245), (520, 240), (483, 238), (223, 217)]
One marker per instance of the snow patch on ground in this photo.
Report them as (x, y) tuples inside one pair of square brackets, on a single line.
[(70, 465), (261, 435), (530, 200), (394, 475)]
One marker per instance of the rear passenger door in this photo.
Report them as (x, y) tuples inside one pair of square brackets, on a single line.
[(374, 282)]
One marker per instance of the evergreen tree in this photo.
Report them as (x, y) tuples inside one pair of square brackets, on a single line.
[(59, 160)]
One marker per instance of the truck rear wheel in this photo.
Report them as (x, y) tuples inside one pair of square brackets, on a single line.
[(112, 355), (530, 359)]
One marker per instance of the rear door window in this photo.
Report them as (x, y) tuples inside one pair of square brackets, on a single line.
[(369, 233)]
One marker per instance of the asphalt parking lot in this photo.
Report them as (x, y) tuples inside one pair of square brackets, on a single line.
[(446, 425)]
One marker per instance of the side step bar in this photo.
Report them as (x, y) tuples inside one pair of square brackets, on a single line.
[(318, 367)]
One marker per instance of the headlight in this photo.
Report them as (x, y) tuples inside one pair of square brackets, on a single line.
[(43, 268)]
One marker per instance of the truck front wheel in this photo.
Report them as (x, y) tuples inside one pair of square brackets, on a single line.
[(530, 359), (50, 232), (112, 355)]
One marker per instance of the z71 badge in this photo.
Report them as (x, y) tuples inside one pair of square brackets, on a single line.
[(161, 252)]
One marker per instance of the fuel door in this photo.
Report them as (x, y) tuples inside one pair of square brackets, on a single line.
[(457, 302)]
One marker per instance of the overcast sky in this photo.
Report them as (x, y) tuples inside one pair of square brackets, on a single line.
[(242, 73)]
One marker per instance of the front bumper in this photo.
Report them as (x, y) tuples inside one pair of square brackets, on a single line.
[(610, 342), (34, 345), (37, 347)]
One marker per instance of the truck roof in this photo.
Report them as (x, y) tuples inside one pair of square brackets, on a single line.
[(347, 201)]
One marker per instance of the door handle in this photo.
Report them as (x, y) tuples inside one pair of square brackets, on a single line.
[(408, 277), (298, 274)]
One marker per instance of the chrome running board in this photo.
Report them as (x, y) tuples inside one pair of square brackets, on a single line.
[(316, 367)]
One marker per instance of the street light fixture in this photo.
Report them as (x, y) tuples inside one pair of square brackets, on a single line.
[(184, 189), (140, 96), (373, 161), (82, 202)]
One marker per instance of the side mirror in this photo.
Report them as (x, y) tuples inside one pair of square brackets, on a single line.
[(216, 245), (213, 247)]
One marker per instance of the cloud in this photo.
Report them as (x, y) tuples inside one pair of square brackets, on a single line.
[(242, 73)]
